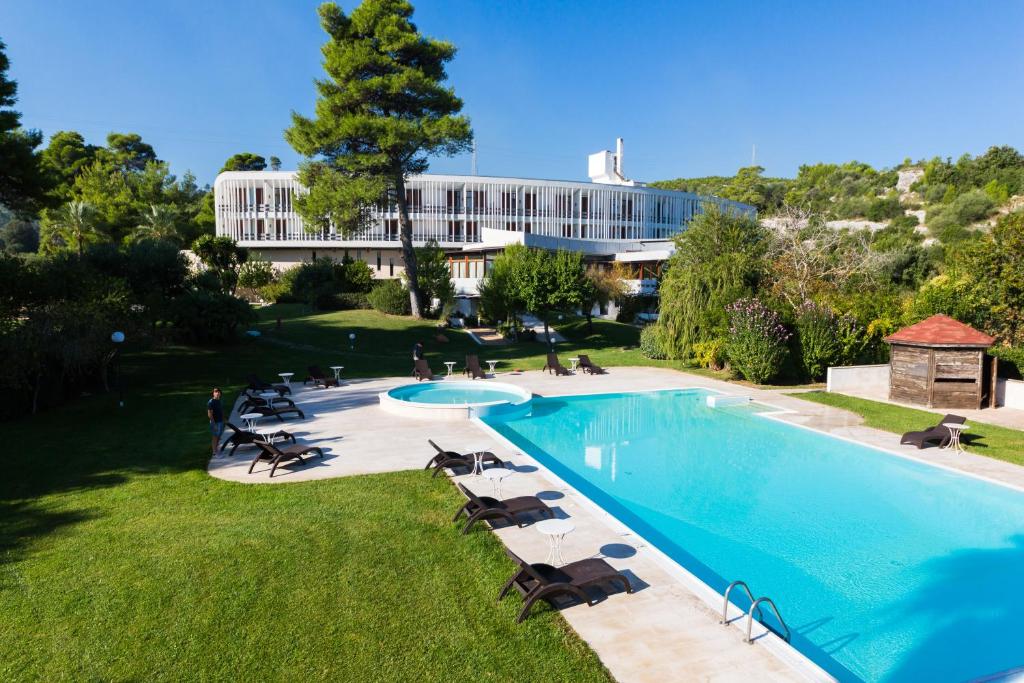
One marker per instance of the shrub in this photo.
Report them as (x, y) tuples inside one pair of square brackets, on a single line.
[(255, 273), (757, 340), (203, 316), (817, 337), (345, 301), (390, 297), (1012, 357), (710, 353), (650, 343), (884, 209), (905, 220)]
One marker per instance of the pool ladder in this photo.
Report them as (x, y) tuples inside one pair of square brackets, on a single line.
[(755, 604)]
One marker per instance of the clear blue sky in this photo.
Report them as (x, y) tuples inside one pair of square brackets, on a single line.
[(690, 86)]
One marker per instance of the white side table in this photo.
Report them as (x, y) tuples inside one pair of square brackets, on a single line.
[(491, 364), (575, 362), (286, 377), (250, 420), (555, 530), (496, 474), (955, 428), (450, 364), (337, 372), (269, 397)]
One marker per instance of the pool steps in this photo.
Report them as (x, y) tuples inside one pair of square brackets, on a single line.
[(722, 400)]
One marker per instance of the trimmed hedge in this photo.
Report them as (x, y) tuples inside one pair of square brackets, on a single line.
[(391, 297)]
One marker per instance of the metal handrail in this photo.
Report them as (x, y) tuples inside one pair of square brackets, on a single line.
[(750, 619), (725, 606)]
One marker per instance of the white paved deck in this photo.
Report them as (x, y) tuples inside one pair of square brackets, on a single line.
[(668, 629)]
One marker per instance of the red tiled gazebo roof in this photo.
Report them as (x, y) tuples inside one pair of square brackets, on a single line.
[(940, 330)]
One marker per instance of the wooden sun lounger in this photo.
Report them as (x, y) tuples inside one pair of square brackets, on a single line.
[(452, 459), (317, 377), (473, 367), (257, 384), (243, 437), (555, 366), (422, 371), (936, 433), (588, 366), (543, 582), (485, 507), (271, 411), (276, 456)]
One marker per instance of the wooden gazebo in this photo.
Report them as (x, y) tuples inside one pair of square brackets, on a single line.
[(938, 362)]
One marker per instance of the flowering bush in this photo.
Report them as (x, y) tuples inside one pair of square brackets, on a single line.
[(757, 340)]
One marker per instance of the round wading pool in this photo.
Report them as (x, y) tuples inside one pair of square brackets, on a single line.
[(448, 400)]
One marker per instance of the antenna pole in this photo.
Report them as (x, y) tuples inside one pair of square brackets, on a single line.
[(473, 172)]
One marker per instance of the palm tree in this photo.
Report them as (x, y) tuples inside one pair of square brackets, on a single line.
[(160, 222), (75, 222)]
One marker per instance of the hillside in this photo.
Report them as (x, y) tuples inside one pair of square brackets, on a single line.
[(938, 199)]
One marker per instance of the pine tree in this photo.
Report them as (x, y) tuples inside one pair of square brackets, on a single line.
[(382, 112)]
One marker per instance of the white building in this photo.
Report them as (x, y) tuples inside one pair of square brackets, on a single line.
[(472, 218)]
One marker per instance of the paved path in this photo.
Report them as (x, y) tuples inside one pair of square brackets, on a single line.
[(668, 630)]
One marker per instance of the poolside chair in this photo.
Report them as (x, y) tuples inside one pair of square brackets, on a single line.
[(275, 401), (473, 367), (452, 459), (539, 581), (276, 456), (257, 384), (271, 411), (936, 433), (317, 377), (553, 365), (422, 371), (243, 437), (485, 507), (588, 366)]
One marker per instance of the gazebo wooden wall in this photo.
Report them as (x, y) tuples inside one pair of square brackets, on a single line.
[(936, 376)]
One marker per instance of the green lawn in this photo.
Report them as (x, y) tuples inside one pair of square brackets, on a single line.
[(983, 439), (121, 559)]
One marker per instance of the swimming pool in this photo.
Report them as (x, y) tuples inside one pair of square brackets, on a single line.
[(454, 399), (884, 568)]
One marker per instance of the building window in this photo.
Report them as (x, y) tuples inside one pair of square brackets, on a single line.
[(527, 228), (414, 199), (471, 233), (378, 259), (510, 226), (391, 267), (567, 230)]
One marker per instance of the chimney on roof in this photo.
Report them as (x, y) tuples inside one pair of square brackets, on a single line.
[(618, 158)]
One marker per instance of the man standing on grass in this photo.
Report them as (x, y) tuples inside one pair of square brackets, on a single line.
[(215, 413)]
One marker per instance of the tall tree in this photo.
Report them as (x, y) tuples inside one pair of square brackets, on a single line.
[(64, 159), (75, 224), (129, 152), (23, 184), (275, 164), (381, 113), (244, 161)]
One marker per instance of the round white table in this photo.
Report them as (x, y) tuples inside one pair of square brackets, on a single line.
[(496, 474), (955, 428), (269, 397), (491, 364), (575, 362), (555, 530), (450, 364), (286, 377), (337, 372), (250, 420)]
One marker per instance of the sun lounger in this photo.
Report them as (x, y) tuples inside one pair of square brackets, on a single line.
[(243, 437), (275, 401), (257, 384), (452, 459), (553, 365), (473, 367), (485, 507), (588, 366), (543, 582), (317, 377), (276, 456), (271, 411), (936, 433), (422, 371)]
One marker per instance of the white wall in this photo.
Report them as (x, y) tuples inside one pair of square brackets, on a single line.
[(863, 380), (1010, 393)]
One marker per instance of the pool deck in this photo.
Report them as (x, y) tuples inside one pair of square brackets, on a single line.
[(668, 629)]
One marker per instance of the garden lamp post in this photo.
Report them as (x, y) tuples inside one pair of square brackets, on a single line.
[(118, 339), (352, 341)]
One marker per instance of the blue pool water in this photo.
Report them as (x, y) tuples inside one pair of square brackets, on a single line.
[(454, 393), (885, 569)]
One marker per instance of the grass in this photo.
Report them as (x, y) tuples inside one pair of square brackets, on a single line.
[(984, 439), (121, 559)]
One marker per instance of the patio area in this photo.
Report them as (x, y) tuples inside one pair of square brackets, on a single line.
[(670, 624)]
